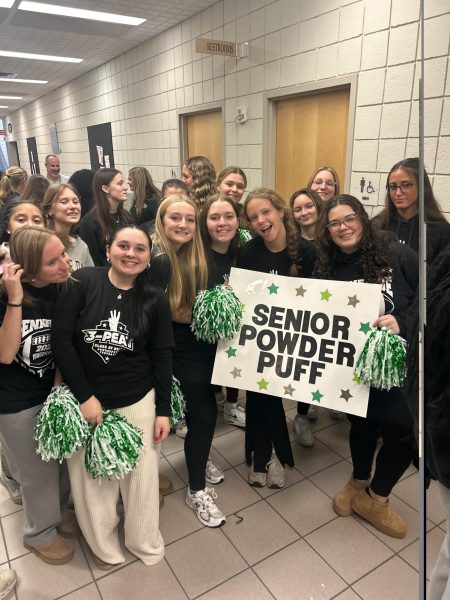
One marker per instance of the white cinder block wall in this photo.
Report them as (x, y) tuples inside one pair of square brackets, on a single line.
[(291, 42)]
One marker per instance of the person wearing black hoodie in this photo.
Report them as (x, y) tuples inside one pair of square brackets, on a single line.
[(401, 212), (350, 250)]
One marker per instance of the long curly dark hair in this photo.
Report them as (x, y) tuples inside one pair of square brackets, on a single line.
[(375, 266)]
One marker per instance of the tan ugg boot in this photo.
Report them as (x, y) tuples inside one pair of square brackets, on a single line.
[(380, 514), (343, 500)]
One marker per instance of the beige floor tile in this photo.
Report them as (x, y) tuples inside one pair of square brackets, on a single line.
[(289, 404), (89, 592), (303, 506), (435, 537), (231, 446), (176, 519), (394, 579), (292, 476), (244, 586), (178, 462), (261, 533), (336, 438), (311, 460), (221, 426), (299, 572), (218, 459), (323, 420), (411, 470), (333, 479), (171, 445), (411, 518), (234, 493), (7, 506), (348, 595), (140, 582), (13, 532), (39, 581), (435, 510), (349, 548), (3, 554), (166, 469), (215, 561), (408, 490)]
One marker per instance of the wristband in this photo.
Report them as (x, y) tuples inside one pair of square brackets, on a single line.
[(14, 305)]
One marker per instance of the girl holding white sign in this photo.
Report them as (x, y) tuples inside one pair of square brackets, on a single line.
[(350, 250), (277, 248)]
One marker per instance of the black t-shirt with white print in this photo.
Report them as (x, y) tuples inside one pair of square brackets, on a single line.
[(27, 381)]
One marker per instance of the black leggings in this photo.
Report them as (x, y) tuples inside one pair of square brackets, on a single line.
[(193, 364), (392, 460)]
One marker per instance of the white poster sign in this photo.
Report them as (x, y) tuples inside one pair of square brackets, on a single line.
[(300, 339)]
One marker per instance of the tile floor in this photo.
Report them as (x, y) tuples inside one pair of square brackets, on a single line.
[(289, 544)]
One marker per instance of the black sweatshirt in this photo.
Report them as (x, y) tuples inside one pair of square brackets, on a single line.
[(90, 232), (96, 354), (27, 381)]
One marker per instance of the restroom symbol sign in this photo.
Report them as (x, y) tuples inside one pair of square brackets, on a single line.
[(369, 189)]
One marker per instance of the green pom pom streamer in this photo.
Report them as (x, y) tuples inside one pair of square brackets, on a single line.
[(382, 362), (113, 447), (177, 403), (217, 314), (244, 236), (60, 428)]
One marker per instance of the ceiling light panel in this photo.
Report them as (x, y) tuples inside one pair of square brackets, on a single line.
[(11, 97), (15, 80), (79, 13), (6, 3), (27, 55)]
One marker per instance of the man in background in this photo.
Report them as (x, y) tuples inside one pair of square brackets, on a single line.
[(53, 167)]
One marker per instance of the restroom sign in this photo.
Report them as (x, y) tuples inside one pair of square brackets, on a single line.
[(205, 46)]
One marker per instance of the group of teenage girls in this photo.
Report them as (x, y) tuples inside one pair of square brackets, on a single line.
[(116, 334)]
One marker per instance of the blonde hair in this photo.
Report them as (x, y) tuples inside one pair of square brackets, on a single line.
[(337, 189), (12, 179), (189, 270)]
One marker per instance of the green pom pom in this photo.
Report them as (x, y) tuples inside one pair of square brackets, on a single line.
[(113, 447), (177, 402), (60, 428), (382, 362), (217, 314), (244, 236)]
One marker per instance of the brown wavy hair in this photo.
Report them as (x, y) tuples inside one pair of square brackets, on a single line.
[(315, 199), (292, 233), (375, 266), (204, 179)]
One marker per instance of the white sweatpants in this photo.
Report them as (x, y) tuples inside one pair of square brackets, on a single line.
[(96, 499)]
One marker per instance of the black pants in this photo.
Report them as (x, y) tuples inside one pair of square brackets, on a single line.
[(266, 427), (193, 364), (393, 459), (302, 408)]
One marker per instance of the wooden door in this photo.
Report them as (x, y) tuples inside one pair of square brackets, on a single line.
[(204, 137), (311, 132)]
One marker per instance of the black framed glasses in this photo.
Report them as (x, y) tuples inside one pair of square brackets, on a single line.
[(403, 187)]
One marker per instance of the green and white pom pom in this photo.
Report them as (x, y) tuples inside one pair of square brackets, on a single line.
[(113, 447), (61, 428), (382, 362), (244, 236), (217, 314), (177, 403)]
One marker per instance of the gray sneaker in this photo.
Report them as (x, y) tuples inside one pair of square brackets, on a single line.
[(311, 415), (213, 473), (275, 473), (303, 431), (203, 503), (233, 414), (255, 478)]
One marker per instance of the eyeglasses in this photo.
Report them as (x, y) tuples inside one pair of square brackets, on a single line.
[(328, 183), (403, 187), (348, 221)]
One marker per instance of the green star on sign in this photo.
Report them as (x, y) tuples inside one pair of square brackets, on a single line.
[(326, 295), (365, 328), (262, 384), (356, 378), (316, 396), (273, 289), (231, 351)]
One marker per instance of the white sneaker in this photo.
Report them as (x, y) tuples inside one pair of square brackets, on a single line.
[(233, 414), (275, 473), (202, 502), (213, 473), (181, 430), (311, 415), (8, 580), (303, 431), (255, 478)]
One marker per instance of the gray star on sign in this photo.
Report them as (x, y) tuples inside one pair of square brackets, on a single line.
[(346, 395), (288, 390), (236, 372), (353, 301), (301, 291)]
